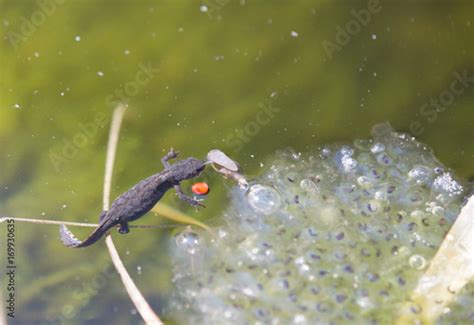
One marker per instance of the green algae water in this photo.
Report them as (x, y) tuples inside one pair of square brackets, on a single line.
[(252, 79)]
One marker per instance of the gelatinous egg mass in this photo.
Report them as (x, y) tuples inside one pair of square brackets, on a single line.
[(340, 235), (200, 188)]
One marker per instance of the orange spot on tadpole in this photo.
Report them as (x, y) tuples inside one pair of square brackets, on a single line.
[(200, 188)]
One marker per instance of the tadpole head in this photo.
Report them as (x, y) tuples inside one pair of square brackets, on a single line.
[(187, 168)]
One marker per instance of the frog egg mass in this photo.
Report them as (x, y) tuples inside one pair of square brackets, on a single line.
[(338, 235)]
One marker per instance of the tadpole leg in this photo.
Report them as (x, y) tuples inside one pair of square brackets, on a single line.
[(186, 198), (170, 155), (123, 228)]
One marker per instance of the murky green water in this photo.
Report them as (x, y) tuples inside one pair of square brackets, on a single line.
[(246, 77)]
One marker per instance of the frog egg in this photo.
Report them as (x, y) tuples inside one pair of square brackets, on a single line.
[(325, 152), (291, 177), (437, 210), (364, 159), (244, 186), (372, 207), (404, 251), (364, 182), (308, 185), (263, 199), (380, 196), (188, 241), (417, 262), (415, 196), (384, 159), (377, 148), (420, 174), (362, 144), (347, 151)]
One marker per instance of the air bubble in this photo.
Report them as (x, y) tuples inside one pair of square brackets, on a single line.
[(295, 155), (445, 183), (188, 241), (417, 262), (293, 33), (264, 199)]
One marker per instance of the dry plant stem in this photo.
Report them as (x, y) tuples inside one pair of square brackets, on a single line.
[(111, 151), (137, 298), (450, 270), (49, 222), (78, 224)]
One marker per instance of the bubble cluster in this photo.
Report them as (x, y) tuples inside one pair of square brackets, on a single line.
[(337, 236)]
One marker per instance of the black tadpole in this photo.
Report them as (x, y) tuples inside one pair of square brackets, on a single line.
[(141, 198)]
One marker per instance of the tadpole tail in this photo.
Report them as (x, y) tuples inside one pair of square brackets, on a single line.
[(68, 238)]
